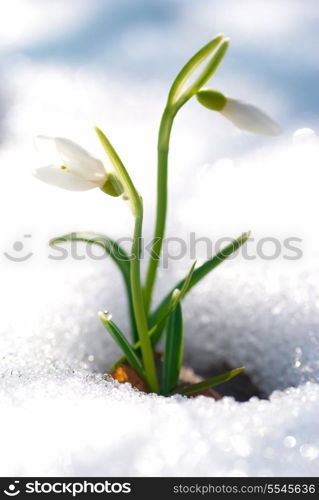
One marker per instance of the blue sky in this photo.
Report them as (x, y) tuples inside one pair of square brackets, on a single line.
[(273, 41)]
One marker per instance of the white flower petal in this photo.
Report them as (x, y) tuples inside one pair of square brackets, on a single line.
[(60, 151), (80, 160), (249, 118), (69, 149), (46, 147), (65, 179)]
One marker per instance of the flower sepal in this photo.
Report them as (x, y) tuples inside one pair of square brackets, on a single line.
[(112, 186)]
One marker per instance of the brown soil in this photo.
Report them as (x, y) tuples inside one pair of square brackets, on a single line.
[(125, 373), (240, 387)]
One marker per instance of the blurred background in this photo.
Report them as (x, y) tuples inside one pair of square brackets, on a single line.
[(67, 65)]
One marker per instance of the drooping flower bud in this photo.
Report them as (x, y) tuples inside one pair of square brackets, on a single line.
[(243, 115)]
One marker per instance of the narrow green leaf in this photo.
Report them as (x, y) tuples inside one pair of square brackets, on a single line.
[(135, 348), (177, 93), (113, 249), (198, 275), (124, 178), (176, 297), (117, 254), (187, 281), (152, 332), (122, 342), (173, 352), (211, 382), (159, 316), (209, 70)]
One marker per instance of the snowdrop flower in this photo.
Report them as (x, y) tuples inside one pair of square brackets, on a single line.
[(72, 167), (241, 114)]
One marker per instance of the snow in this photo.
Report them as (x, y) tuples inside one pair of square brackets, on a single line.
[(59, 416), (75, 424)]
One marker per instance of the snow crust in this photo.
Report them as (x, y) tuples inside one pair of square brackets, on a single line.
[(74, 423)]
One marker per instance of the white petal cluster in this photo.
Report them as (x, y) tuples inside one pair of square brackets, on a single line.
[(72, 167), (249, 118)]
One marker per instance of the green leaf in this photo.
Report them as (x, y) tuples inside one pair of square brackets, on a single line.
[(122, 174), (152, 332), (122, 342), (209, 70), (158, 318), (176, 297), (177, 95), (211, 382), (173, 353), (117, 254), (198, 274), (135, 348), (115, 251), (187, 282)]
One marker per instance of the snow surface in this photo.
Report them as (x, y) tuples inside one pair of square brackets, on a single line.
[(59, 417), (68, 423)]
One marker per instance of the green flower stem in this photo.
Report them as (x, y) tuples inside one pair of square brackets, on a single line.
[(138, 304), (162, 171), (136, 205), (211, 54)]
